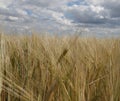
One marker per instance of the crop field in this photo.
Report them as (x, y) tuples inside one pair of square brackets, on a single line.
[(59, 68)]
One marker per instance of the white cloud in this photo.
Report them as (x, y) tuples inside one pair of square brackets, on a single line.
[(96, 9), (111, 6), (60, 18), (4, 3), (12, 18), (86, 14), (95, 2), (21, 12)]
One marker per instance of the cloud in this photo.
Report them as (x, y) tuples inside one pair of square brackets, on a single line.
[(36, 14), (11, 19), (47, 3), (4, 4), (84, 14), (59, 15), (95, 12), (112, 6)]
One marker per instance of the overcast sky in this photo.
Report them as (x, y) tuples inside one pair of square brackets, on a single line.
[(60, 15)]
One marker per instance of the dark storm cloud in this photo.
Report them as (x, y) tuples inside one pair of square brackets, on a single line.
[(113, 8)]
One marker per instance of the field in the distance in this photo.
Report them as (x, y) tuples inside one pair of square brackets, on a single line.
[(64, 68)]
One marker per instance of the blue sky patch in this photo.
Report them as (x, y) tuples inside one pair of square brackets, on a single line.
[(77, 2), (29, 12)]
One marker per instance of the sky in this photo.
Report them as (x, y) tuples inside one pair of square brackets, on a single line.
[(63, 16)]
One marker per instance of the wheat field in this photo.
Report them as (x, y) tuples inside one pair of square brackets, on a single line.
[(59, 68)]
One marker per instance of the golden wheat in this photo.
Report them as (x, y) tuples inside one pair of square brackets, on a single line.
[(59, 68)]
